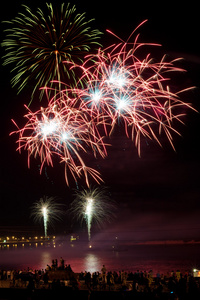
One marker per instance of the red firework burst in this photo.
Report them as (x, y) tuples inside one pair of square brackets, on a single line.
[(121, 88), (62, 131)]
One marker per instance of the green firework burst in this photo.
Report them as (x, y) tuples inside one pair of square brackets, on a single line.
[(43, 46)]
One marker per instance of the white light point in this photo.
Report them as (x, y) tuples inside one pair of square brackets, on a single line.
[(96, 96), (65, 136), (48, 127), (122, 104), (117, 80)]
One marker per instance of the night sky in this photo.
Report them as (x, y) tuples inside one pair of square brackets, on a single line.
[(158, 194)]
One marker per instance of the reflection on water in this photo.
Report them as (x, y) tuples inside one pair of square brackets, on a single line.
[(92, 262), (81, 258), (46, 258)]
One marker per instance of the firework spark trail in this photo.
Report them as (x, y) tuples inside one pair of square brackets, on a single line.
[(93, 205), (37, 44), (89, 214), (62, 131), (48, 210), (45, 217)]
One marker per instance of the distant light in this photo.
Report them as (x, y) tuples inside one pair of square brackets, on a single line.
[(72, 238), (90, 246)]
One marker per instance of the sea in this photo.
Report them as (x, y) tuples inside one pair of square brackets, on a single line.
[(89, 257)]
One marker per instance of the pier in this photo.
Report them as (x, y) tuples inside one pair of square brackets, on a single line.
[(14, 241)]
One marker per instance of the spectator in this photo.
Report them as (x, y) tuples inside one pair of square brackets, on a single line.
[(103, 270)]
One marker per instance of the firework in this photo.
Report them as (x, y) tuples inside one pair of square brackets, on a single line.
[(41, 45), (115, 88), (93, 205), (46, 210), (122, 89), (64, 132)]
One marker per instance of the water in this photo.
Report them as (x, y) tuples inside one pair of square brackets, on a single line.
[(162, 258)]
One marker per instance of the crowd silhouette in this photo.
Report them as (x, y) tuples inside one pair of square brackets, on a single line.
[(58, 276)]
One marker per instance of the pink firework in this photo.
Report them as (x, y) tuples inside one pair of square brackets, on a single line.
[(121, 88), (62, 131)]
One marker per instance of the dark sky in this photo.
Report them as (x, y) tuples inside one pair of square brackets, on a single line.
[(158, 195)]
